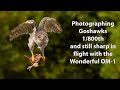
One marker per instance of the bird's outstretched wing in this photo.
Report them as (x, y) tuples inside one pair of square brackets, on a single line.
[(24, 28), (50, 25)]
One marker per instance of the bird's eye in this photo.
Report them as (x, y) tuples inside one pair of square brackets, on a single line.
[(45, 36)]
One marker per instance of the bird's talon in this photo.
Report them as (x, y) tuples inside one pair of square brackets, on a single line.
[(42, 58)]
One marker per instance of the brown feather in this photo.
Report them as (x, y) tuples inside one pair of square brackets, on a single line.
[(24, 28), (50, 25)]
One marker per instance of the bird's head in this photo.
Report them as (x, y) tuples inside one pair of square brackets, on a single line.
[(41, 35)]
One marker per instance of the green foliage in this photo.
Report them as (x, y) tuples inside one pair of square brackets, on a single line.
[(13, 64)]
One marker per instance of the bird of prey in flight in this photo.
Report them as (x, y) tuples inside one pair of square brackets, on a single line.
[(38, 34)]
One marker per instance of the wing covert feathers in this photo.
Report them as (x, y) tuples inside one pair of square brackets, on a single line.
[(50, 25), (23, 28)]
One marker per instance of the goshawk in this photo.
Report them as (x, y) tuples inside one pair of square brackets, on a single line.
[(38, 34)]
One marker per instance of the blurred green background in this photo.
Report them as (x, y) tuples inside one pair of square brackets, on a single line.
[(13, 64)]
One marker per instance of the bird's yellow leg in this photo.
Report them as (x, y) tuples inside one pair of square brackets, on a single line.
[(33, 57), (43, 57)]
